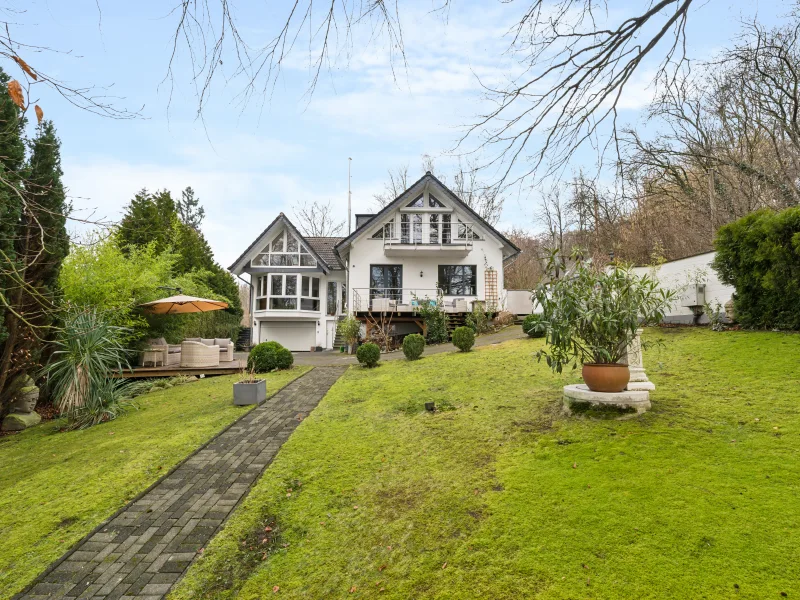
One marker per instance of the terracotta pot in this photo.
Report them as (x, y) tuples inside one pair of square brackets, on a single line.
[(609, 378)]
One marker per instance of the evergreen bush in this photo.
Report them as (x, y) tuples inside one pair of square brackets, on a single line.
[(759, 255), (464, 338), (413, 346), (534, 326), (268, 356), (368, 354)]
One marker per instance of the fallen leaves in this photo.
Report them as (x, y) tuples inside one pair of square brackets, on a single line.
[(444, 566), (276, 589), (353, 589), (574, 465)]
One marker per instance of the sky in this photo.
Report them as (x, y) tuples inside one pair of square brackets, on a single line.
[(248, 162)]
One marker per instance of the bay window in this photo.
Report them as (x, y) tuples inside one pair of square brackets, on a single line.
[(278, 291)]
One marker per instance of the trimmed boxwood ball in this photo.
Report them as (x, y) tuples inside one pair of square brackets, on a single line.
[(464, 338), (533, 326), (368, 354), (268, 356), (413, 346)]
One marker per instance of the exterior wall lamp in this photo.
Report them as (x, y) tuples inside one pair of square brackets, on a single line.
[(420, 273)]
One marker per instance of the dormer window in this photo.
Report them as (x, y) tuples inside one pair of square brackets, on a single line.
[(284, 251)]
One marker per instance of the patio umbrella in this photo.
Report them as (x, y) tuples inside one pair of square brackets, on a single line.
[(180, 304)]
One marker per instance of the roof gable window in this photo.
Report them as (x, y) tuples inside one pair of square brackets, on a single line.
[(434, 202), (285, 250), (418, 203)]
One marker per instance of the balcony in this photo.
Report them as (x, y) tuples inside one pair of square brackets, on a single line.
[(418, 234), (405, 300)]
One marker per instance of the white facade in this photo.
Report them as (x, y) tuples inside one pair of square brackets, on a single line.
[(682, 275), (425, 240)]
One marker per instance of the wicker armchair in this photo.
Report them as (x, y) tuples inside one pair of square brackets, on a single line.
[(197, 354), (170, 355)]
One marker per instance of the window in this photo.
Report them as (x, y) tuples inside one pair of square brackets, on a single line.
[(385, 232), (458, 280), (284, 251), (309, 293), (418, 203), (411, 229), (433, 202), (386, 281), (465, 232), (433, 236), (283, 292), (331, 299), (447, 232)]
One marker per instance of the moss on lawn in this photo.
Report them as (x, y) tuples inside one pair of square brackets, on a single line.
[(56, 487), (504, 497)]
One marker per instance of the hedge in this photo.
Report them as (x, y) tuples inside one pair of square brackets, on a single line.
[(759, 255)]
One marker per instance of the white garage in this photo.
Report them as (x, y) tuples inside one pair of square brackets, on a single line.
[(297, 336)]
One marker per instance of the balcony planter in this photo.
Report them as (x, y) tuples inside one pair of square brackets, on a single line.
[(245, 393)]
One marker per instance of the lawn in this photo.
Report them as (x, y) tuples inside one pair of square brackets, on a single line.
[(56, 487), (500, 496)]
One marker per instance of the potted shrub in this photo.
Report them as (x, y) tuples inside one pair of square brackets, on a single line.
[(590, 316), (249, 389)]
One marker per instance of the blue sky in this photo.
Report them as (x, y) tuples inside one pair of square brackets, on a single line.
[(247, 164)]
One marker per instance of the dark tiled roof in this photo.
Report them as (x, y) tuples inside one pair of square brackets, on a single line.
[(323, 246)]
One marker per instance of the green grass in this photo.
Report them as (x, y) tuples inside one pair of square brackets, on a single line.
[(504, 497), (56, 487)]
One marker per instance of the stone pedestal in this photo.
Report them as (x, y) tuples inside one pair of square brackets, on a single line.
[(579, 397), (20, 421), (639, 380)]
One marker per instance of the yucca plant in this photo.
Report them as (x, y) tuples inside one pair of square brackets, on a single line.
[(87, 350)]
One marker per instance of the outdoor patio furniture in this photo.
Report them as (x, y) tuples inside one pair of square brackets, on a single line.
[(225, 346), (170, 353), (197, 354), (152, 358), (383, 304)]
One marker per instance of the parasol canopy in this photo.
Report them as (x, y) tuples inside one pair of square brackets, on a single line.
[(181, 304)]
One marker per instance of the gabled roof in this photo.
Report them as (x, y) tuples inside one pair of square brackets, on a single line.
[(282, 219), (324, 247), (412, 191)]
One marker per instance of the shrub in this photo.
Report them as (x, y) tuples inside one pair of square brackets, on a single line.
[(413, 346), (464, 338), (432, 313), (88, 348), (368, 354), (268, 356), (592, 316), (534, 326), (478, 319), (349, 329), (759, 255)]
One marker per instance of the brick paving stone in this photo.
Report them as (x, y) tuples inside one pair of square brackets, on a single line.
[(145, 549)]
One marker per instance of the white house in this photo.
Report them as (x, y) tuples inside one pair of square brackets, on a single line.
[(425, 243), (684, 275)]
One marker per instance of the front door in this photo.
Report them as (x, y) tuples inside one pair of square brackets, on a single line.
[(386, 281)]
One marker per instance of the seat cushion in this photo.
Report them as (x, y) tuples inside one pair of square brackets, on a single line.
[(192, 340), (223, 343), (174, 350), (207, 341), (157, 342)]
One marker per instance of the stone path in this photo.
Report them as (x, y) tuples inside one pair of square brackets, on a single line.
[(144, 549)]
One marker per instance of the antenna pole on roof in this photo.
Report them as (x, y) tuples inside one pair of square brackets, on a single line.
[(349, 196)]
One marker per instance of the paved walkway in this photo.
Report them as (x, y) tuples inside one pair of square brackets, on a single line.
[(331, 357), (143, 550)]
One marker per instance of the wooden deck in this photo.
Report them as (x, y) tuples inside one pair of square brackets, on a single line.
[(224, 368)]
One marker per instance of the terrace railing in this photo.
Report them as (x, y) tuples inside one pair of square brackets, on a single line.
[(393, 299)]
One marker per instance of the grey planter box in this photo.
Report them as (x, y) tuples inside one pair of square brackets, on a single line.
[(249, 393)]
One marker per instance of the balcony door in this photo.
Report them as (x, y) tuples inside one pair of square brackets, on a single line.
[(386, 281)]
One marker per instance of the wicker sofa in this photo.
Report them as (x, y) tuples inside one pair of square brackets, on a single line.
[(170, 353), (225, 346), (197, 354)]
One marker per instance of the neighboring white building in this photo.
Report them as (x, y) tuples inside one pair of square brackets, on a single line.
[(683, 275), (426, 240)]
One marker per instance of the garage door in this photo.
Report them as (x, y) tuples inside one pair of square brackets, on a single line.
[(294, 335)]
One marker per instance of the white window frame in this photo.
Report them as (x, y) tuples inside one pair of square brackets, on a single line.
[(265, 257)]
